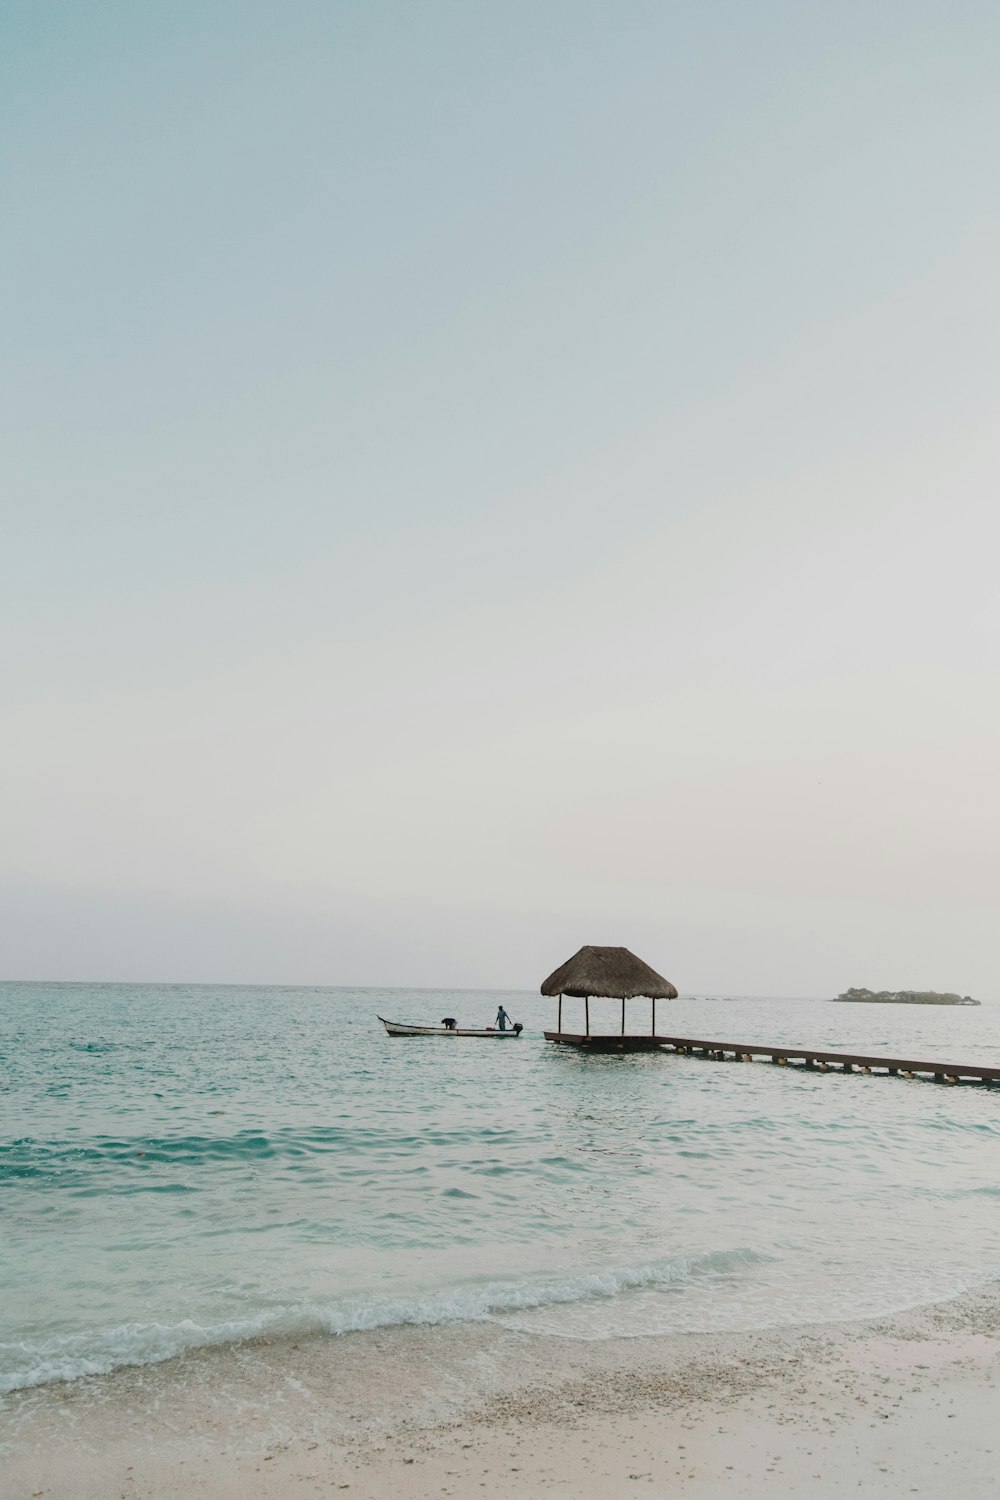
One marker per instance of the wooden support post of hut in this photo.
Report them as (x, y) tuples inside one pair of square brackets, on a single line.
[(616, 974)]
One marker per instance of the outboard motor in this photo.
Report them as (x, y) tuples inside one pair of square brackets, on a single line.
[(449, 1022), (518, 1028)]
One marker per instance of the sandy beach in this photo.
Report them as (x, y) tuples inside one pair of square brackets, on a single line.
[(897, 1407)]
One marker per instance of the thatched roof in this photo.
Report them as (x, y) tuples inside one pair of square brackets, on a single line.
[(614, 972)]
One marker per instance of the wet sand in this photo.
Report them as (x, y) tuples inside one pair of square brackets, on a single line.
[(890, 1408)]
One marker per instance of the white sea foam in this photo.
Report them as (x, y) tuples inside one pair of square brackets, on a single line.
[(70, 1356), (731, 1296)]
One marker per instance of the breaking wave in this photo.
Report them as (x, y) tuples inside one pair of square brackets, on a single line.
[(98, 1352)]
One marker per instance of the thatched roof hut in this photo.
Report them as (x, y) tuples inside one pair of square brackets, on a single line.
[(613, 972)]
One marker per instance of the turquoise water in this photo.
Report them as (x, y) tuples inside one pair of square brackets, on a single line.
[(189, 1165)]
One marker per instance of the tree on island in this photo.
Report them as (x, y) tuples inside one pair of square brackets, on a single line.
[(906, 997)]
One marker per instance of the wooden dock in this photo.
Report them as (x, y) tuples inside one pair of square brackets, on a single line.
[(804, 1057)]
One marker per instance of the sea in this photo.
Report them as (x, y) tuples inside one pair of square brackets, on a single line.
[(188, 1165)]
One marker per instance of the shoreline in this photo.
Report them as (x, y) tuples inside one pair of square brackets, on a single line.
[(896, 1405)]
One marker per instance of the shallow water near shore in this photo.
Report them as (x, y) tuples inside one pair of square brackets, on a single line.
[(187, 1166)]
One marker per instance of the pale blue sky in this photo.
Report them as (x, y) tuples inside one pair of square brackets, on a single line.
[(481, 478)]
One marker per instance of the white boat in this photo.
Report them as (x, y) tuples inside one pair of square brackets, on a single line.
[(399, 1028)]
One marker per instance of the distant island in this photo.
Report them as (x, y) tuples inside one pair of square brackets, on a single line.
[(906, 997)]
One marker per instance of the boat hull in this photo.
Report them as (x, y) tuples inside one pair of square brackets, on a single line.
[(399, 1028)]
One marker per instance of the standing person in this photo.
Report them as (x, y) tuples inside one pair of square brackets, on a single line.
[(502, 1019)]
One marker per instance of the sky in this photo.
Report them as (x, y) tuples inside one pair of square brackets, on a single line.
[(478, 479)]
